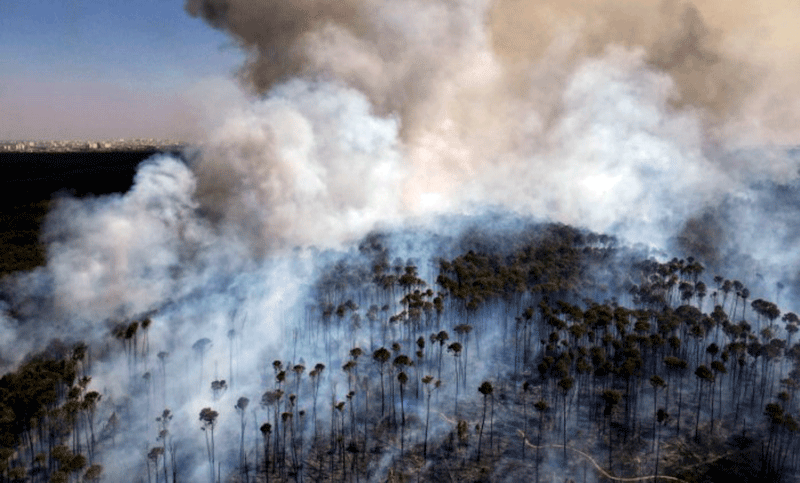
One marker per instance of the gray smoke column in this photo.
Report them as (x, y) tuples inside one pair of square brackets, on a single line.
[(597, 113)]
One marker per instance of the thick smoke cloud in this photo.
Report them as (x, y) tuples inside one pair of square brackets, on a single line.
[(409, 46), (602, 113)]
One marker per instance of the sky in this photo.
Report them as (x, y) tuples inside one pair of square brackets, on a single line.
[(78, 69), (81, 69)]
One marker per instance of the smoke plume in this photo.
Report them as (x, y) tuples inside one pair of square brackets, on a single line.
[(597, 113)]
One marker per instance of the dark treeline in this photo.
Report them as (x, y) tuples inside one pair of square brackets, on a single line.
[(48, 422), (31, 179), (539, 354)]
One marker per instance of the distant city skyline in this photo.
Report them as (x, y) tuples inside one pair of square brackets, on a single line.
[(104, 70)]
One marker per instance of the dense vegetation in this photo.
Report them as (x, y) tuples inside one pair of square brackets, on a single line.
[(47, 428), (19, 237), (538, 353)]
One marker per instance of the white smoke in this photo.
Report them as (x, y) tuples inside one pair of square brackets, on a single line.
[(309, 164)]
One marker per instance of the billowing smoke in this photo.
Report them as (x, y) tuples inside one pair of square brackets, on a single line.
[(600, 112), (306, 164), (355, 115)]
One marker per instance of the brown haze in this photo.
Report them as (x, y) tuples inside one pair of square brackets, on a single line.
[(719, 54), (52, 109)]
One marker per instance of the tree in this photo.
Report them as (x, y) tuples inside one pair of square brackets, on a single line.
[(298, 370), (272, 400), (155, 453), (209, 419), (316, 375), (429, 390), (678, 367), (486, 389), (163, 433), (89, 405), (145, 340), (381, 357), (703, 374), (266, 429), (718, 368), (241, 408), (93, 473), (657, 383), (455, 349), (463, 331), (402, 378), (442, 338)]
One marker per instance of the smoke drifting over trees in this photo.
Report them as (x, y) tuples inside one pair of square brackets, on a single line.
[(502, 219)]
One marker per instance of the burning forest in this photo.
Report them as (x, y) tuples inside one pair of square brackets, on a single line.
[(432, 240)]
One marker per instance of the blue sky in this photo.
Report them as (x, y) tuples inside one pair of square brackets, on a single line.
[(103, 69)]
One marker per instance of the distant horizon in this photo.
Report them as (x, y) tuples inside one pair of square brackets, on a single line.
[(96, 140), (107, 70), (38, 146)]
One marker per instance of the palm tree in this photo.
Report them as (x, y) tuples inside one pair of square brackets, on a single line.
[(272, 400), (349, 368), (402, 378), (163, 434), (429, 390), (95, 471), (218, 387), (442, 338), (298, 370), (381, 357), (145, 341), (241, 408), (455, 349), (486, 389), (89, 405), (703, 374), (678, 367), (463, 331), (266, 429), (315, 376), (209, 419), (130, 336), (400, 362), (154, 454), (656, 382)]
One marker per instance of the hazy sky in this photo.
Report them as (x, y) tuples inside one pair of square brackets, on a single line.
[(103, 69)]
